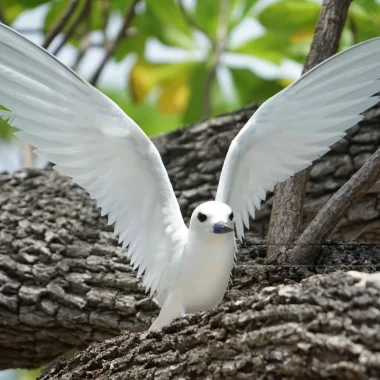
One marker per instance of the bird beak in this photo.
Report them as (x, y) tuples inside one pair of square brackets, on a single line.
[(221, 228)]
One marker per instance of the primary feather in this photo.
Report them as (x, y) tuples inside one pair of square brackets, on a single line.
[(93, 141), (298, 125)]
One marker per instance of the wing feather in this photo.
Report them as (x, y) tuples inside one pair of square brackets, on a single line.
[(91, 140), (298, 125)]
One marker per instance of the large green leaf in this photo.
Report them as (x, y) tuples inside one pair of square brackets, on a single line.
[(364, 21), (29, 3), (194, 109), (289, 16), (56, 9), (239, 10), (206, 15), (146, 115), (251, 88), (271, 46), (169, 15), (372, 7)]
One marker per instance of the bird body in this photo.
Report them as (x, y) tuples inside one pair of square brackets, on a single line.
[(91, 140), (203, 268)]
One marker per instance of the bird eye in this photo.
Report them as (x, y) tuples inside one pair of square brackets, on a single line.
[(201, 217), (231, 216)]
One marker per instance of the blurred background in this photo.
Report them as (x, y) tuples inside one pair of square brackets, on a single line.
[(169, 63)]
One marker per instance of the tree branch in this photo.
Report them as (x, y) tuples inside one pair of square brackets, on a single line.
[(84, 45), (109, 51), (61, 23), (82, 14), (64, 282), (286, 215), (322, 328), (307, 245), (28, 157)]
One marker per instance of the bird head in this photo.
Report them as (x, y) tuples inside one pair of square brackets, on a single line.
[(212, 218)]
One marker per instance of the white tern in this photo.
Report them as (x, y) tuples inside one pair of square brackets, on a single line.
[(91, 140)]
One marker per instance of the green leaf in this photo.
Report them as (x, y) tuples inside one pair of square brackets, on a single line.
[(206, 15), (168, 14), (372, 7), (251, 88), (145, 114), (6, 131), (56, 9), (29, 3), (289, 16), (239, 10), (364, 21), (11, 10), (270, 46), (194, 109)]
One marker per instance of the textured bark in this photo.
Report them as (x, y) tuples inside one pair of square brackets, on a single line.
[(64, 282), (327, 327), (307, 245), (288, 204)]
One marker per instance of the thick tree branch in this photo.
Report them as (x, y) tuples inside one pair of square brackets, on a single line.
[(111, 48), (325, 327), (286, 215), (64, 282)]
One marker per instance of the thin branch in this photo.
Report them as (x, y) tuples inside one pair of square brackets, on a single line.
[(85, 10), (28, 157), (61, 23), (83, 48), (308, 244), (191, 21), (220, 46), (127, 20), (289, 196)]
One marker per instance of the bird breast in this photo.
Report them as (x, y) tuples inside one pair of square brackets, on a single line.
[(206, 269)]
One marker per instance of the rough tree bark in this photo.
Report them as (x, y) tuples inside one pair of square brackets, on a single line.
[(288, 204), (323, 328), (306, 246), (64, 282)]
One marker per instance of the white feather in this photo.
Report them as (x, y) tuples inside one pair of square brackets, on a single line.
[(297, 126), (75, 126)]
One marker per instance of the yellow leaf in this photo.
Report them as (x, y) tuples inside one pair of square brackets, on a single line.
[(301, 35), (285, 82), (142, 81), (174, 95), (144, 76)]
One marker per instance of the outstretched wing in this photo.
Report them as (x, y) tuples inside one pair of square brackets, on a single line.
[(90, 139), (298, 125)]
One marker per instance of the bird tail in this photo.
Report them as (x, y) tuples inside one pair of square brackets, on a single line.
[(170, 310)]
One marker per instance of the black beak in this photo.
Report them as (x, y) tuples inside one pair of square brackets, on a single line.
[(221, 228)]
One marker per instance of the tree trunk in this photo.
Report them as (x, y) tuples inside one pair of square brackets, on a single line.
[(65, 283)]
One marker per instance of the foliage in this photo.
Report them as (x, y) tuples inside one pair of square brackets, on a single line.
[(162, 92)]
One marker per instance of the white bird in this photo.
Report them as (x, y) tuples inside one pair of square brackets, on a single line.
[(91, 140)]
